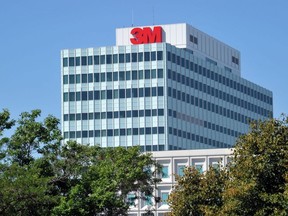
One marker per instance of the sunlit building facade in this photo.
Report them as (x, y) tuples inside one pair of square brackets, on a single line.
[(168, 87)]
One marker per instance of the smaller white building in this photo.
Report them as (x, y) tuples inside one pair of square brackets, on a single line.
[(174, 162)]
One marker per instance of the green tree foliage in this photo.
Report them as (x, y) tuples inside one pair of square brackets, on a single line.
[(259, 171), (39, 176), (254, 183), (198, 193)]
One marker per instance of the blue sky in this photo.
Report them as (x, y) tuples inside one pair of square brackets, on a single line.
[(33, 32)]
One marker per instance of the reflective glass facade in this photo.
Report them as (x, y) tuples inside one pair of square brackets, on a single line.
[(157, 96)]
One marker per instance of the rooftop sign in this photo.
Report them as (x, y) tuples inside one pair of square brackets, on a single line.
[(146, 35)]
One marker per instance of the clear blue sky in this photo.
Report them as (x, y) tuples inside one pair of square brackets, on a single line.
[(33, 32)]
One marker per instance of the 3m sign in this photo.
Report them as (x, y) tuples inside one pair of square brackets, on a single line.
[(146, 35)]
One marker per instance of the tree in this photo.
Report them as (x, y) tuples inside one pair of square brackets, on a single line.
[(198, 193), (24, 183), (254, 183), (110, 175), (258, 174), (39, 175)]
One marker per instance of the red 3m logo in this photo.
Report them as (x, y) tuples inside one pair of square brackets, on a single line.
[(146, 35)]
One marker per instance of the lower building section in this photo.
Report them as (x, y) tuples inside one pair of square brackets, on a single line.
[(173, 163)]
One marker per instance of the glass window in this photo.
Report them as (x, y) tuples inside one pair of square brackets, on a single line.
[(90, 78), (121, 75), (147, 112), (115, 76), (65, 62), (154, 91), (128, 93), (96, 60), (71, 61), (109, 94), (103, 94), (130, 199), (90, 95), (159, 55), (146, 56), (160, 112), (122, 93), (84, 95), (84, 60), (122, 132), (148, 201), (153, 74), (140, 57), (134, 57), (164, 198), (77, 61), (165, 172), (121, 58), (115, 58), (147, 74), (180, 170), (128, 114), (160, 130), (90, 60), (71, 79), (127, 57), (134, 75), (102, 59), (97, 133), (102, 75), (78, 96), (160, 73), (109, 59), (116, 132), (115, 93), (141, 113), (160, 91), (65, 79), (147, 92), (134, 92), (140, 74), (148, 130), (153, 56), (96, 95), (128, 75), (109, 76), (96, 77), (84, 78), (141, 92), (199, 167), (135, 131)]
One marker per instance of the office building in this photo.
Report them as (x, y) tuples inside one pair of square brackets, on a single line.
[(173, 163), (167, 87)]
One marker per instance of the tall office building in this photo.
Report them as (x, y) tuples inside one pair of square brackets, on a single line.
[(166, 87)]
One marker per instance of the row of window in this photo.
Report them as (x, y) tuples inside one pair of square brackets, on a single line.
[(113, 132), (197, 138), (205, 124), (113, 94), (113, 76), (217, 93), (113, 115), (112, 58), (218, 77), (182, 96)]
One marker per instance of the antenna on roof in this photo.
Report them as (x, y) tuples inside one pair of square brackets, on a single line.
[(132, 17), (153, 15)]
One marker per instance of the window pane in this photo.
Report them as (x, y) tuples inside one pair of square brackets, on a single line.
[(165, 172)]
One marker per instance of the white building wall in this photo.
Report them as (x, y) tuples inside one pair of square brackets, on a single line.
[(175, 160)]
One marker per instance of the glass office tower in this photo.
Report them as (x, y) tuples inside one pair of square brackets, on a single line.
[(185, 92)]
